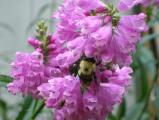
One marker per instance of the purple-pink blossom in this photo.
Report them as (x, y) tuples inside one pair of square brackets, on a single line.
[(88, 34), (29, 70), (70, 13), (128, 4), (119, 76), (27, 73), (63, 94), (98, 38), (125, 37)]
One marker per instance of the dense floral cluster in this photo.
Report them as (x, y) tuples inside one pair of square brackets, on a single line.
[(30, 70), (26, 69), (128, 4), (83, 69), (70, 104)]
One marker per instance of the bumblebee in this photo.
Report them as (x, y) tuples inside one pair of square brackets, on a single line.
[(85, 69)]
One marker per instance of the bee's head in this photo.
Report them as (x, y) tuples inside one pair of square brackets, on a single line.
[(87, 67)]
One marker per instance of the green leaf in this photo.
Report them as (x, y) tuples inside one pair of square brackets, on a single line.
[(148, 38), (143, 82), (153, 22), (111, 117), (135, 111), (157, 15), (157, 99), (146, 70), (25, 107), (157, 96), (149, 11), (3, 109), (147, 59), (37, 108), (4, 80), (146, 116), (121, 110)]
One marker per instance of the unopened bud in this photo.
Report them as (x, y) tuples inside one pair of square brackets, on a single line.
[(52, 47), (101, 10), (34, 42), (107, 19), (87, 13), (49, 38), (39, 50), (53, 39)]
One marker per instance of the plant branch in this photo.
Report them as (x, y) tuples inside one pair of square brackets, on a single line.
[(37, 111)]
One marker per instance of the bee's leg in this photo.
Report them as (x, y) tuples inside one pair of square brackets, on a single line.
[(83, 88), (74, 69), (95, 78)]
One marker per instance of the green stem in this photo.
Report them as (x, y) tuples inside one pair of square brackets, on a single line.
[(147, 98), (112, 117), (37, 111), (35, 105)]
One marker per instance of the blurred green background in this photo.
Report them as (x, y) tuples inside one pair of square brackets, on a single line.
[(17, 21)]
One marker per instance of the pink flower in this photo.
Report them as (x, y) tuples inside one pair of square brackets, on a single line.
[(90, 24), (96, 37), (125, 37), (157, 1), (70, 14), (66, 59), (64, 96), (100, 40), (128, 4), (87, 31), (119, 76), (98, 106), (27, 73), (88, 5)]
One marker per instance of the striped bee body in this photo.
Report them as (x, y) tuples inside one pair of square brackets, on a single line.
[(85, 69)]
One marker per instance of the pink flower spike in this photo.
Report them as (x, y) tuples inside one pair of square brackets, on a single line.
[(27, 73)]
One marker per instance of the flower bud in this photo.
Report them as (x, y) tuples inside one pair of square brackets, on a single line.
[(87, 13), (107, 19), (34, 42), (51, 39), (39, 50), (52, 47), (100, 10)]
